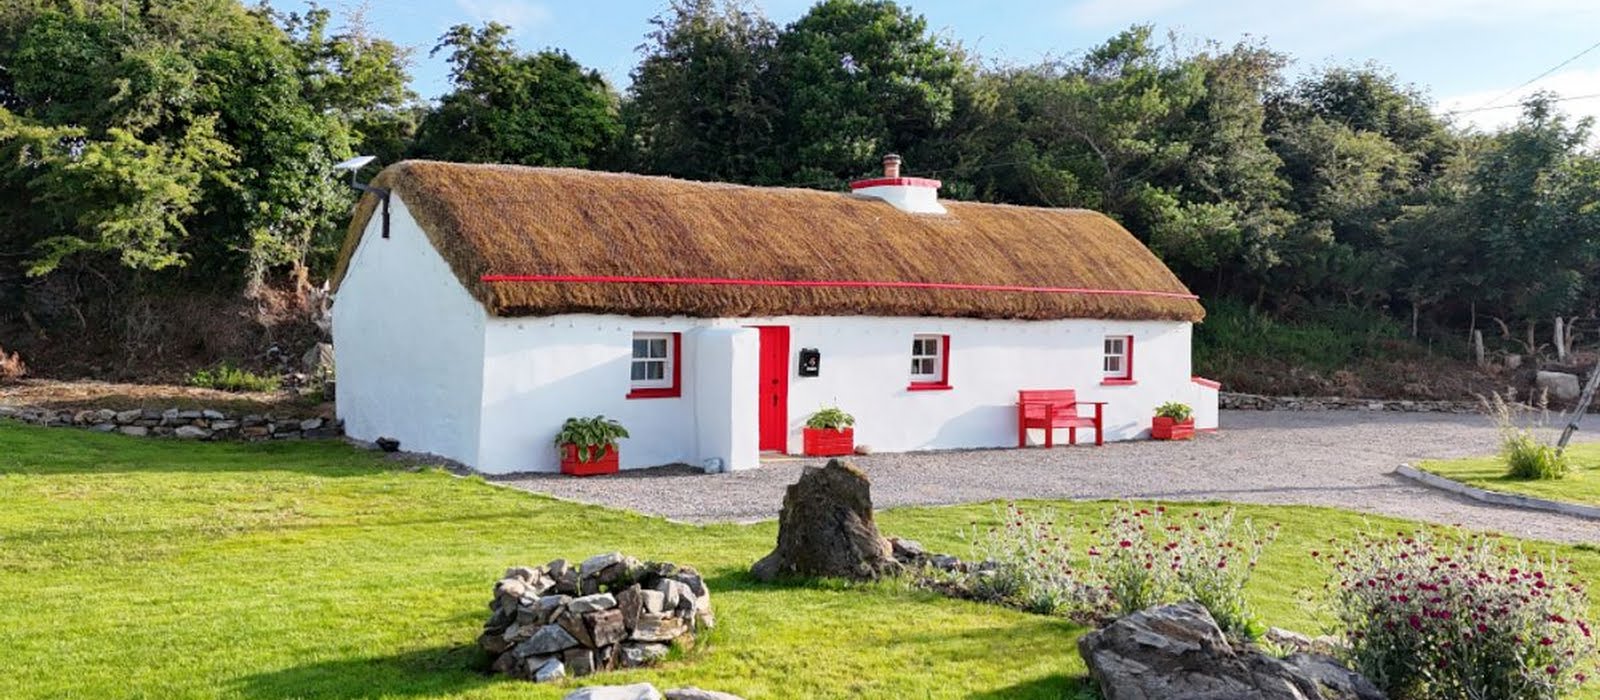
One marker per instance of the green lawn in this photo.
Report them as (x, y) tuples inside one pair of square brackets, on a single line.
[(153, 569), (1580, 486)]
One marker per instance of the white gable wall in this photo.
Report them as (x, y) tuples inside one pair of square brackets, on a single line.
[(539, 371), (408, 344)]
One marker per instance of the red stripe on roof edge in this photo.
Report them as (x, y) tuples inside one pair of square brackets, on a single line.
[(832, 283)]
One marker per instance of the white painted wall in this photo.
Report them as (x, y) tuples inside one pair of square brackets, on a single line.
[(408, 344), (540, 371)]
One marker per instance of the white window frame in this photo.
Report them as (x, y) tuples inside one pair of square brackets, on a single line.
[(665, 382), (1122, 358), (937, 357)]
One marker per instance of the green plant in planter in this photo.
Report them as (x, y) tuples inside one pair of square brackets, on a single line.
[(1178, 412), (830, 418), (591, 435)]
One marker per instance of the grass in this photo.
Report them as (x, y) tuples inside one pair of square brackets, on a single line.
[(1581, 485), (153, 569), (226, 377)]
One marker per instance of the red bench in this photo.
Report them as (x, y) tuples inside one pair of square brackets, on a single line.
[(1056, 408)]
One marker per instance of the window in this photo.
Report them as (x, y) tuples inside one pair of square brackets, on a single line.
[(1118, 363), (654, 369), (930, 362)]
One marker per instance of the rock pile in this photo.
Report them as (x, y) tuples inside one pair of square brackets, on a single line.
[(191, 424), (1177, 652), (826, 528), (611, 611)]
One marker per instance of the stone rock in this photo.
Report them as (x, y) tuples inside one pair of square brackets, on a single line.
[(550, 671), (547, 639), (605, 627), (605, 658), (671, 592), (654, 601), (221, 425), (1560, 385), (310, 424), (636, 655), (513, 588), (579, 662), (693, 693), (1177, 652), (637, 691), (826, 528), (1287, 639), (191, 432), (591, 603), (907, 551), (525, 574), (593, 565), (658, 627), (104, 427), (318, 360), (1333, 678), (388, 444), (134, 430), (494, 643), (212, 414), (573, 624), (631, 601), (504, 663)]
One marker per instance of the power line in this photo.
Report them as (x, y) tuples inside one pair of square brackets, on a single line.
[(1589, 96), (1538, 77)]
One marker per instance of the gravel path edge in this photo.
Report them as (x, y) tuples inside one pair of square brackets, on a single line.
[(1511, 500)]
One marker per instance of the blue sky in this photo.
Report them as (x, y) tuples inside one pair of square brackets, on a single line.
[(1464, 53)]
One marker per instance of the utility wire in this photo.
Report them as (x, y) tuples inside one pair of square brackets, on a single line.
[(1589, 96), (1538, 77)]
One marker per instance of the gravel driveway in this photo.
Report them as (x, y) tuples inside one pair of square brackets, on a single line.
[(1327, 458)]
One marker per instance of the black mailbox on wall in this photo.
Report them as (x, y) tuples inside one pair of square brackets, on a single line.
[(810, 362)]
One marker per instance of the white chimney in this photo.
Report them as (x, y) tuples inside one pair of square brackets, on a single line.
[(914, 195)]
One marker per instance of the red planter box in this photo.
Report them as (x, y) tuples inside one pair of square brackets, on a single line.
[(827, 442), (603, 463), (1163, 428)]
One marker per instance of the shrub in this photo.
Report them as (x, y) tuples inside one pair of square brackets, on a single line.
[(1176, 411), (1460, 618), (1133, 559), (830, 418), (1526, 455), (1213, 559), (226, 377), (12, 367), (591, 435), (1032, 564)]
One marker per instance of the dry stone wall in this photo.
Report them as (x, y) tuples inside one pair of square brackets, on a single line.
[(189, 424)]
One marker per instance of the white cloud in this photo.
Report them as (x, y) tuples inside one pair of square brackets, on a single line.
[(1468, 109), (521, 15)]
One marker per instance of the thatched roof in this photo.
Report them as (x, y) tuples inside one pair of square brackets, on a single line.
[(716, 250)]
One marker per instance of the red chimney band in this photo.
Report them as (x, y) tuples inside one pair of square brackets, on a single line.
[(606, 279)]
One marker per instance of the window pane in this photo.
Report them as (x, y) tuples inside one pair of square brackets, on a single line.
[(655, 370), (640, 347), (1114, 365), (658, 347), (638, 371)]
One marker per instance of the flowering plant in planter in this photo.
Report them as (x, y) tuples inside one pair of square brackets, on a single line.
[(1459, 617), (589, 445), (1173, 421), (828, 433)]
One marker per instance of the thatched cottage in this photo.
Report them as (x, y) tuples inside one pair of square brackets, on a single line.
[(482, 305)]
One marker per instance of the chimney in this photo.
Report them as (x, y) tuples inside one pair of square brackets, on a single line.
[(913, 195)]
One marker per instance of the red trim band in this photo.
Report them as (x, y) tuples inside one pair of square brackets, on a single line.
[(896, 182), (1208, 383), (621, 279)]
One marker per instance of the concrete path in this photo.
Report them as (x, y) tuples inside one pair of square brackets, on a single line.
[(1343, 459)]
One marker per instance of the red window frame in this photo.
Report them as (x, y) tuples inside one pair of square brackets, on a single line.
[(1126, 377), (666, 392), (943, 382)]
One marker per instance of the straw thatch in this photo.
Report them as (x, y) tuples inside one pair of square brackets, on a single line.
[(511, 220)]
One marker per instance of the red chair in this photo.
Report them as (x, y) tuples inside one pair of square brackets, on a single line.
[(1056, 408)]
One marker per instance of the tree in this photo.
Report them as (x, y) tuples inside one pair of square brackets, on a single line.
[(857, 79), (507, 107), (700, 105)]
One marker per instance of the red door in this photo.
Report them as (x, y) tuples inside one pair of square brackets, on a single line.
[(774, 389)]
